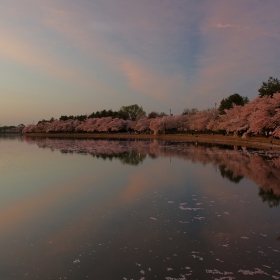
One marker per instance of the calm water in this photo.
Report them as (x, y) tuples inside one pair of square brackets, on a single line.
[(100, 209)]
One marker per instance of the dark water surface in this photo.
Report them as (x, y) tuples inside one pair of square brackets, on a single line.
[(101, 209)]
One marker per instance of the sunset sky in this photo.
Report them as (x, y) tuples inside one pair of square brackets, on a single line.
[(71, 57)]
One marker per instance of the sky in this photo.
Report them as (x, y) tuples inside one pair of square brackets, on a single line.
[(73, 57)]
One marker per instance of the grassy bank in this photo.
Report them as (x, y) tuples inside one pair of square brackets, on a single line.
[(252, 142)]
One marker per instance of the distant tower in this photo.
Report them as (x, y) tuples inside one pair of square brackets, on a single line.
[(170, 112)]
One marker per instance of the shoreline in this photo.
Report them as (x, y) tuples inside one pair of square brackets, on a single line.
[(250, 142)]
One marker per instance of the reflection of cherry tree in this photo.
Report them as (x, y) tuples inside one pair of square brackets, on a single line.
[(270, 197), (234, 164)]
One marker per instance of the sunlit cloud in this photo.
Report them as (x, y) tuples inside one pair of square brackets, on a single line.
[(227, 25), (23, 53), (235, 59), (154, 85)]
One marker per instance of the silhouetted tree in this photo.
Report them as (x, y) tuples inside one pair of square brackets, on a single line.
[(235, 98), (153, 115), (132, 112), (270, 87)]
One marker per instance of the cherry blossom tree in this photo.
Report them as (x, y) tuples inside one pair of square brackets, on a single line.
[(258, 116), (87, 125), (157, 125), (143, 124), (29, 128), (200, 119), (265, 116), (231, 121), (117, 125), (103, 124), (183, 122)]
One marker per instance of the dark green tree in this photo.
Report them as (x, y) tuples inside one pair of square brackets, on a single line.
[(188, 111), (162, 114), (153, 115), (104, 113), (235, 98), (63, 118), (270, 87), (81, 117), (132, 112)]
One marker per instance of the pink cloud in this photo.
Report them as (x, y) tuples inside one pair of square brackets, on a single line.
[(227, 25), (140, 77), (152, 84), (20, 51), (236, 55)]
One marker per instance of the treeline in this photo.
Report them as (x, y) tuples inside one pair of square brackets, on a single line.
[(131, 112), (235, 115), (261, 116), (2, 128), (11, 128), (97, 114)]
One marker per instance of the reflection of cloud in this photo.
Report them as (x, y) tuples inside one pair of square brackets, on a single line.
[(17, 214), (143, 182)]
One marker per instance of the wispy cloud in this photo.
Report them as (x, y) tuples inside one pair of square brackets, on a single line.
[(152, 84), (20, 51), (227, 25), (236, 58)]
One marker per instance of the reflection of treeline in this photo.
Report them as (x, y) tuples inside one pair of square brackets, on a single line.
[(229, 174), (131, 157), (270, 197), (234, 163)]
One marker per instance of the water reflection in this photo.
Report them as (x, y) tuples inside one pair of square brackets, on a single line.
[(228, 174), (10, 136), (234, 163), (136, 210), (270, 197)]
